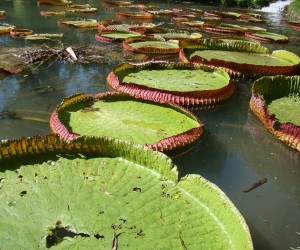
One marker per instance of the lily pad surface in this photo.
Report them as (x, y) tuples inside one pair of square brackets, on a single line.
[(159, 126), (268, 37), (114, 35), (123, 195), (79, 23), (6, 28), (245, 63), (180, 83), (276, 101), (149, 45)]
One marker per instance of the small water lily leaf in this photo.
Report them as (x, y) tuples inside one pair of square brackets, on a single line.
[(123, 195), (276, 102), (159, 126), (180, 83), (52, 13)]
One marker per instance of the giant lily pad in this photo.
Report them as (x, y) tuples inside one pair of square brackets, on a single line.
[(268, 37), (135, 15), (6, 28), (52, 13), (231, 57), (173, 34), (279, 62), (276, 102), (79, 23), (159, 126), (54, 2), (181, 83), (43, 36), (57, 195), (116, 3), (82, 10), (151, 45), (114, 35)]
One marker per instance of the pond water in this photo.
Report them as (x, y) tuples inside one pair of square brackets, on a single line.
[(234, 151)]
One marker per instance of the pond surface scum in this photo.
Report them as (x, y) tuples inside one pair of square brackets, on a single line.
[(235, 149)]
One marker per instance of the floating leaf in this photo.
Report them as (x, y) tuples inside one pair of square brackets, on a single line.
[(79, 23), (276, 102), (114, 35), (268, 37), (181, 83), (159, 126), (52, 13), (151, 45), (6, 28), (58, 195), (43, 36)]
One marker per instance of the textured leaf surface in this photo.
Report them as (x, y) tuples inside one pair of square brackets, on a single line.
[(118, 196), (179, 80), (133, 120), (275, 100), (240, 57), (155, 44), (287, 109)]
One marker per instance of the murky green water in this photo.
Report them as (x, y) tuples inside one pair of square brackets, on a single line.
[(234, 151)]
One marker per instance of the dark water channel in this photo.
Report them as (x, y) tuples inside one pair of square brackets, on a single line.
[(234, 151)]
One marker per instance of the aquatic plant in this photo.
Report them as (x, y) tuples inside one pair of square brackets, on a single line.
[(240, 58), (162, 127), (181, 83), (276, 102), (105, 192)]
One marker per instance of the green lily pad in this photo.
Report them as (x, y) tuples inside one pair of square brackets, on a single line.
[(52, 13), (135, 15), (116, 3), (79, 23), (268, 37), (123, 195), (83, 10), (159, 126), (114, 35), (6, 28), (180, 83), (234, 60), (54, 2), (151, 45), (43, 36), (276, 102), (169, 34)]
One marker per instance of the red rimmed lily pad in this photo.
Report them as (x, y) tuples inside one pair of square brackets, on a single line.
[(79, 23), (114, 35), (54, 2), (275, 100), (19, 32), (82, 10), (268, 37), (52, 13), (172, 34), (151, 45), (43, 36), (181, 83), (5, 28), (241, 58), (94, 192), (116, 3), (223, 28), (2, 14), (160, 12), (135, 15), (162, 127)]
